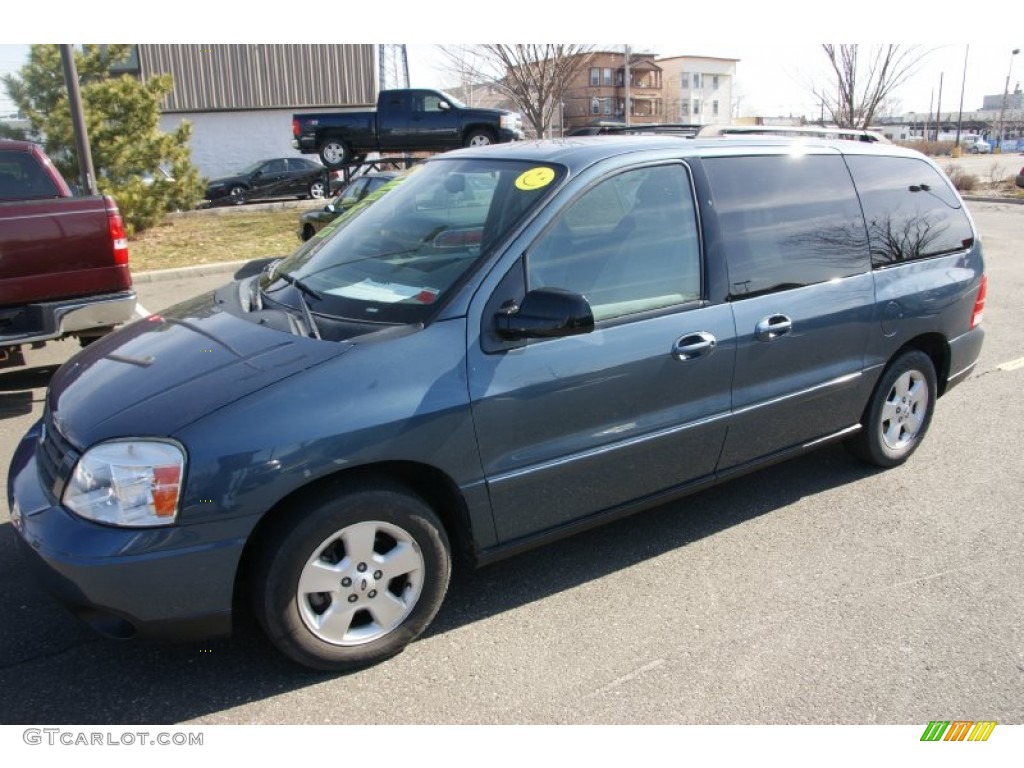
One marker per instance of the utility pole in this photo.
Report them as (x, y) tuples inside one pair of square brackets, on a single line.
[(1002, 109), (960, 114), (85, 169), (938, 109), (625, 82), (392, 67)]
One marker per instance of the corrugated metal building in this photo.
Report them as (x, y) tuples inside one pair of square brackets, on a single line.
[(240, 98)]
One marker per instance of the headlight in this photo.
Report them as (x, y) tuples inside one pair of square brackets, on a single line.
[(216, 185), (132, 483), (510, 122)]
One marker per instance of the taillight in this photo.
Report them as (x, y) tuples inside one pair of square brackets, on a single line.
[(979, 303), (296, 131), (118, 237)]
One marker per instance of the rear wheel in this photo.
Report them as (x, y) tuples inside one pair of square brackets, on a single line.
[(317, 190), (335, 153), (354, 580), (899, 413)]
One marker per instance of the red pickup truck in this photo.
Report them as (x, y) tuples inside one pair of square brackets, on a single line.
[(63, 259)]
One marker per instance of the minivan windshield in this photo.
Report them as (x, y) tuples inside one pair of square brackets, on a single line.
[(400, 256)]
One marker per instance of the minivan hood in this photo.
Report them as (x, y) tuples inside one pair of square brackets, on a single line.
[(157, 375)]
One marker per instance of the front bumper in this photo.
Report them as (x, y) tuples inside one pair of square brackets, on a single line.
[(508, 134), (173, 583)]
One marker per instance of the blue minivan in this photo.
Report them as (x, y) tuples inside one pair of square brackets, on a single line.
[(519, 342)]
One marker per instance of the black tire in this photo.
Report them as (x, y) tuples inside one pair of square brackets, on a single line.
[(899, 412), (334, 153), (307, 232), (384, 562), (318, 190), (478, 138), (237, 194)]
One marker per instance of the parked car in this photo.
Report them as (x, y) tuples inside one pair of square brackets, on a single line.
[(405, 120), (516, 343), (63, 258), (1020, 178), (279, 177), (311, 222), (980, 147)]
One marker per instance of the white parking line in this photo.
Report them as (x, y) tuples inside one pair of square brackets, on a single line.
[(141, 311), (1013, 365)]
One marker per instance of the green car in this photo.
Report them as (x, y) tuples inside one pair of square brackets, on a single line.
[(311, 222)]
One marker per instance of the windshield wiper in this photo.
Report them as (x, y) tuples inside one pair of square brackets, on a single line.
[(300, 285), (304, 289)]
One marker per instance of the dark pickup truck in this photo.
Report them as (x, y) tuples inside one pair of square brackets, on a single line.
[(63, 259), (406, 120)]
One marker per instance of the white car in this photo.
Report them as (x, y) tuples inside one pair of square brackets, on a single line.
[(980, 147)]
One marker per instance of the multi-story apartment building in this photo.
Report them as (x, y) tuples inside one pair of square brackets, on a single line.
[(599, 93), (698, 89), (695, 90)]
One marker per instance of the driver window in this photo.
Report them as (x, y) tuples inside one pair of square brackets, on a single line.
[(431, 103), (628, 244)]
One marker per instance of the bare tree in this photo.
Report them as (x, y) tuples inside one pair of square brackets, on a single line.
[(534, 76), (861, 81)]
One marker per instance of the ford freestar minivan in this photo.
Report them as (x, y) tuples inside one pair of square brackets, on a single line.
[(518, 342)]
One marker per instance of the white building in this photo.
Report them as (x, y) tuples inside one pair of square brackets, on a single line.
[(698, 89)]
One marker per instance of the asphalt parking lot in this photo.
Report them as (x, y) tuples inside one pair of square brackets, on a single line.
[(817, 591)]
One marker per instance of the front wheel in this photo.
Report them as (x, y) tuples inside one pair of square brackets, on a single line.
[(478, 138), (237, 194), (354, 579), (900, 410), (335, 153)]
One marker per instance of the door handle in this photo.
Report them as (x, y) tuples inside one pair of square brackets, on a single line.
[(693, 345), (772, 327)]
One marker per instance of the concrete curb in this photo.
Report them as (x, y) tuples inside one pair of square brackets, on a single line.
[(979, 199), (199, 270)]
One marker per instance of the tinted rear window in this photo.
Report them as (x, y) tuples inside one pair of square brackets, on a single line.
[(911, 210), (21, 178), (787, 221)]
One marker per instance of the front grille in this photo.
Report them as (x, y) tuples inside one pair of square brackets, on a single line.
[(55, 457)]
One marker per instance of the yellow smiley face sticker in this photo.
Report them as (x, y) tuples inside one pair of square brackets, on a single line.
[(535, 178)]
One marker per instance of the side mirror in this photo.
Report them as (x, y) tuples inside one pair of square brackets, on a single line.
[(329, 208), (444, 106), (545, 313)]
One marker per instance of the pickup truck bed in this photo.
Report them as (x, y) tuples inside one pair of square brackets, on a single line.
[(63, 259)]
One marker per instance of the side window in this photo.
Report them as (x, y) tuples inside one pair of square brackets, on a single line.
[(274, 166), (431, 103), (911, 211), (787, 221), (628, 244), (356, 191)]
